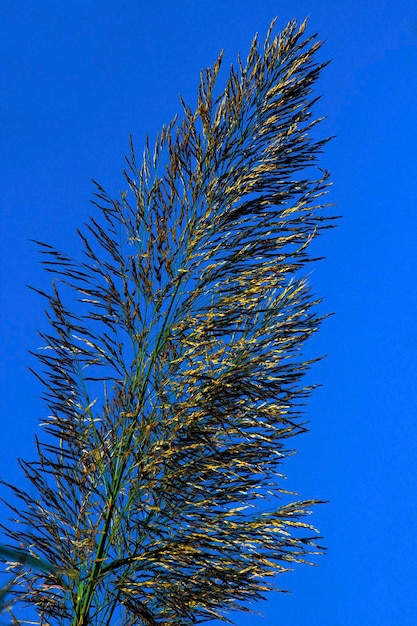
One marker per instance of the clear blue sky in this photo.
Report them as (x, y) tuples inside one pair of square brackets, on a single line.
[(77, 77)]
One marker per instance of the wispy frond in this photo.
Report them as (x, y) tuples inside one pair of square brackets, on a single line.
[(175, 382)]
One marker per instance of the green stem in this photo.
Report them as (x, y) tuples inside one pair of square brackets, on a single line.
[(81, 617)]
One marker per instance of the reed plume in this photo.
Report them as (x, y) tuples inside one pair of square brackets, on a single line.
[(173, 365)]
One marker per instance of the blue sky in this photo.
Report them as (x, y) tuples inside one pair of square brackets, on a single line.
[(77, 79)]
